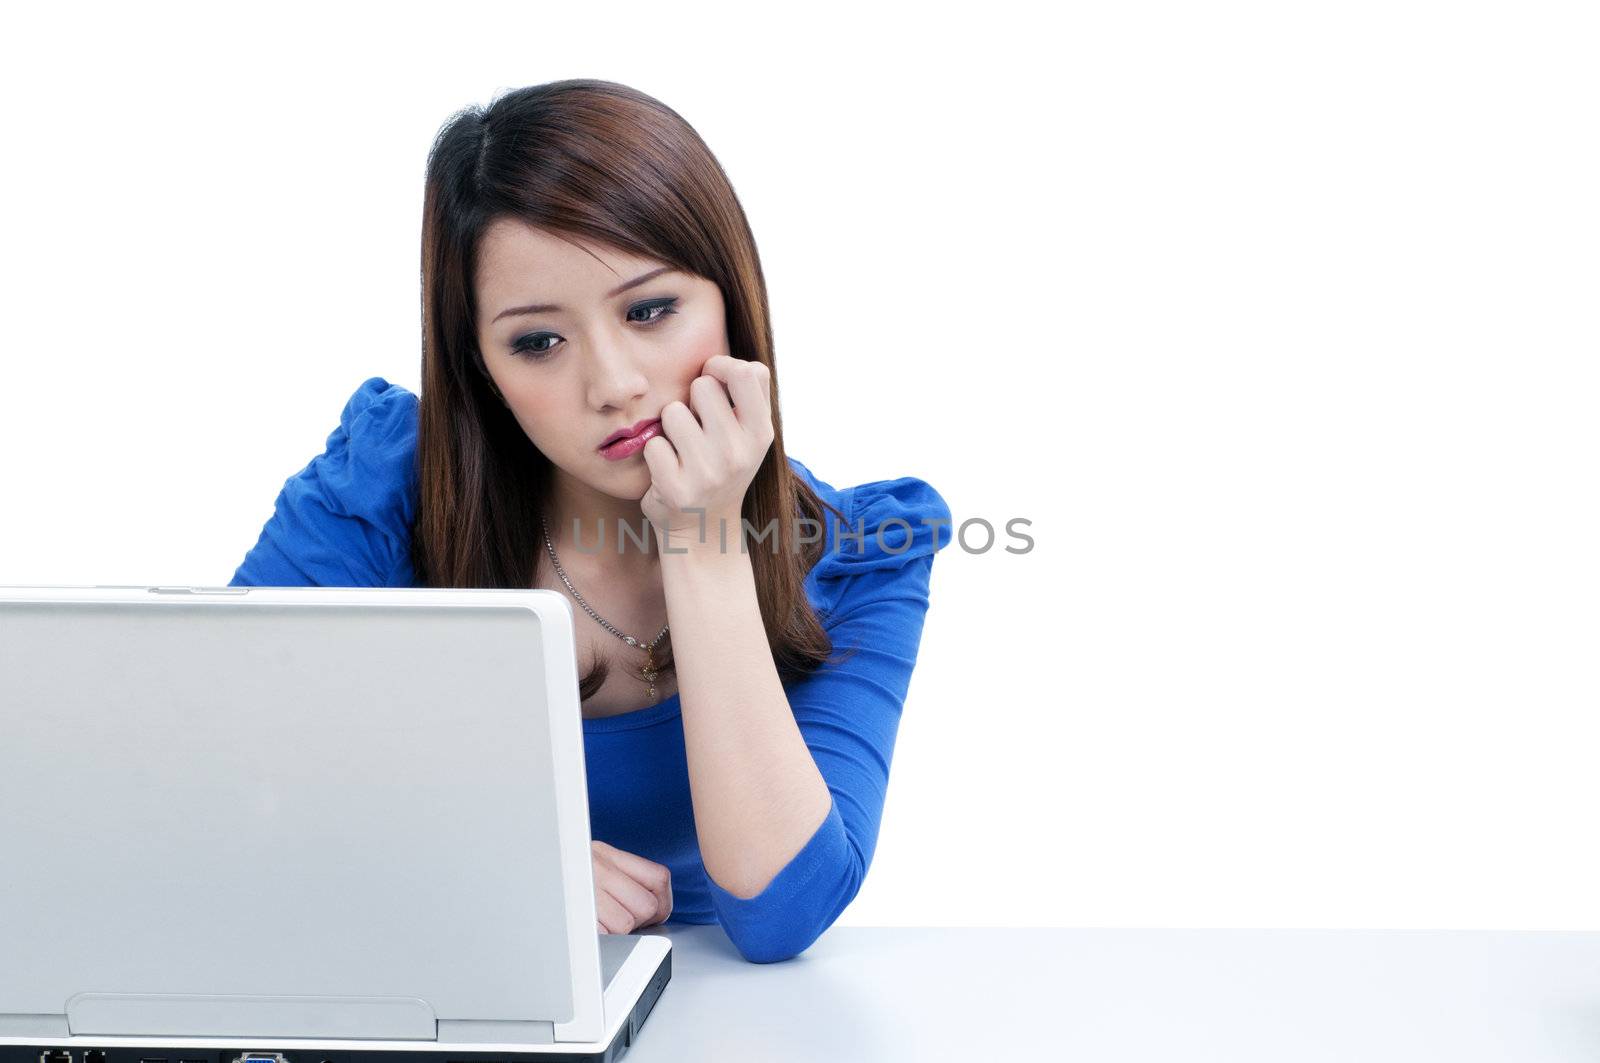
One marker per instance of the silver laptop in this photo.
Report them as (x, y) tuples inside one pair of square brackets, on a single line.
[(301, 825)]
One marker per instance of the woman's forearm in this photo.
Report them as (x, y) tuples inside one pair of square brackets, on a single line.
[(757, 794)]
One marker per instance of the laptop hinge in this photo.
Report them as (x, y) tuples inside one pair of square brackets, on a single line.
[(202, 1015)]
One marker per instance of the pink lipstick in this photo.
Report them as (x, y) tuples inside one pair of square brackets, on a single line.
[(629, 441)]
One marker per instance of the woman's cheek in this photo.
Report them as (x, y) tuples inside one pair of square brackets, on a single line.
[(708, 342)]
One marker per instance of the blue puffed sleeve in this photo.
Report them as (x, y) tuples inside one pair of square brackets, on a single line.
[(874, 583), (345, 519)]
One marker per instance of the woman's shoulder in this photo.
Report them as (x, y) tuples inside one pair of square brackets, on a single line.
[(345, 519), (890, 529), (386, 403), (383, 414), (369, 464)]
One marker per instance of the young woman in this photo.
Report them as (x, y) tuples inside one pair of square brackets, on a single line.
[(587, 271)]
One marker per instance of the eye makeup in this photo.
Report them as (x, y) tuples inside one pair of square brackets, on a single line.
[(527, 346)]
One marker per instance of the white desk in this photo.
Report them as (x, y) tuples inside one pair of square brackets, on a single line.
[(1175, 996)]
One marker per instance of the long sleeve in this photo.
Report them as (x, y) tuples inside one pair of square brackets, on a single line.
[(345, 519), (849, 711)]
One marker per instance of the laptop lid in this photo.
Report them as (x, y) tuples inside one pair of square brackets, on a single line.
[(307, 812)]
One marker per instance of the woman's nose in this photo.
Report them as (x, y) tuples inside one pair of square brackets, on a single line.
[(615, 379)]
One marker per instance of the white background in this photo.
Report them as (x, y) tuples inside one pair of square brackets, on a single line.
[(1278, 321)]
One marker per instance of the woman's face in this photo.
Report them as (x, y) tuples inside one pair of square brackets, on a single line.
[(576, 358)]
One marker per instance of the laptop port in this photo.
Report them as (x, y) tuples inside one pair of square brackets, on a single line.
[(261, 1057), (55, 1055), (94, 1055)]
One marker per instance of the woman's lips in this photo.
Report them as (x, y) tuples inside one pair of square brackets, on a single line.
[(628, 446)]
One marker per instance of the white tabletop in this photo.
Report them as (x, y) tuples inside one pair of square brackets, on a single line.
[(1178, 996)]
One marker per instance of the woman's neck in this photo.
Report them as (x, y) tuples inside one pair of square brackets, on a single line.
[(612, 533)]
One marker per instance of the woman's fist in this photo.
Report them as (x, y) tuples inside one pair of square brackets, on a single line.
[(629, 891)]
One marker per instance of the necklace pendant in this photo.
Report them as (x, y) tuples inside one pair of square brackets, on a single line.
[(649, 672)]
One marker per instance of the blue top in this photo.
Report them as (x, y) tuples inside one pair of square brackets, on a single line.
[(345, 521)]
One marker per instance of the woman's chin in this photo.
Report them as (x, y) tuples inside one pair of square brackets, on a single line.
[(628, 480)]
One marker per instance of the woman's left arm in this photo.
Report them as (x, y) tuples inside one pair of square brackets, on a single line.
[(757, 793), (756, 790), (847, 713), (787, 787)]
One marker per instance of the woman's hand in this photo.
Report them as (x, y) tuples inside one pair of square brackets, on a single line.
[(704, 460), (629, 891)]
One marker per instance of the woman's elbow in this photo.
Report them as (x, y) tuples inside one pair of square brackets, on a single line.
[(776, 944), (773, 932), (776, 940)]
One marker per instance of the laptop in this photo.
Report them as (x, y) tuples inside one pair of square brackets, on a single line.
[(301, 825)]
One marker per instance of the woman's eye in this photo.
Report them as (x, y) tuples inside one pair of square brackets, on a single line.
[(529, 346), (663, 305)]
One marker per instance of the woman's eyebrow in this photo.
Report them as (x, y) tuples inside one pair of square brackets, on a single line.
[(550, 308)]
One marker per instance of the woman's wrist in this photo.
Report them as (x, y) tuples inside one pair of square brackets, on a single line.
[(716, 535)]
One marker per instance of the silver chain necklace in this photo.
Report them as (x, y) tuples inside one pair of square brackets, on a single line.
[(649, 672)]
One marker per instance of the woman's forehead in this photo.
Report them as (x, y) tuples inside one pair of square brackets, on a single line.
[(516, 255), (516, 241)]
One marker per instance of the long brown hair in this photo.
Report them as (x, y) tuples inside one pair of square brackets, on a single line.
[(597, 161)]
